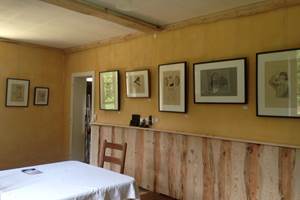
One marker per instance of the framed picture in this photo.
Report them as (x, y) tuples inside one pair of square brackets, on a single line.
[(109, 90), (137, 84), (17, 92), (222, 81), (172, 87), (41, 96), (278, 83)]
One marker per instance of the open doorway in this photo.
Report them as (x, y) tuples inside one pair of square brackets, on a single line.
[(82, 101)]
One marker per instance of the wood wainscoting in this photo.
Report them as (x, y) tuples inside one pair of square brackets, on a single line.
[(195, 167)]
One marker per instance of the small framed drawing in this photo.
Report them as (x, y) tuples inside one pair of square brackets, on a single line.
[(17, 92), (278, 83), (137, 84), (222, 81), (41, 96), (109, 90), (172, 87)]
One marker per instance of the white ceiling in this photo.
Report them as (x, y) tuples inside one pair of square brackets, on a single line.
[(164, 12), (41, 23)]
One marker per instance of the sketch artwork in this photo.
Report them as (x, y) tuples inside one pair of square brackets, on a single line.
[(171, 87)]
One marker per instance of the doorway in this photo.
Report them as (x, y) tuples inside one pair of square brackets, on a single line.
[(82, 101)]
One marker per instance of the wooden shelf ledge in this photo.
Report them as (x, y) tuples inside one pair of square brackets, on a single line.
[(194, 134)]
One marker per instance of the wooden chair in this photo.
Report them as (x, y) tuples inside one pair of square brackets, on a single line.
[(111, 159)]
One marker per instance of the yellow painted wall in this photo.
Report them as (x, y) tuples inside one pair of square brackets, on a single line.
[(220, 40), (35, 134)]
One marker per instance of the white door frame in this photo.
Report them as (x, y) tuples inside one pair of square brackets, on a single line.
[(73, 76)]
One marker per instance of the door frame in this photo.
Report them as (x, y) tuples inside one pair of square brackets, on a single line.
[(73, 76)]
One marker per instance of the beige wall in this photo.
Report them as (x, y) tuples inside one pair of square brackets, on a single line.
[(224, 39), (35, 134)]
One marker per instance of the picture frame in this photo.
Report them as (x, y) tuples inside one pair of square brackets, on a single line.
[(138, 84), (41, 96), (278, 83), (172, 87), (17, 92), (220, 81), (109, 90)]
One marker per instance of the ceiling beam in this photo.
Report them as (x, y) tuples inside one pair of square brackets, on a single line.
[(106, 14)]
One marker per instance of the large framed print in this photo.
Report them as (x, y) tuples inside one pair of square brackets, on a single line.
[(41, 96), (137, 84), (172, 87), (109, 90), (222, 81), (17, 92), (278, 83)]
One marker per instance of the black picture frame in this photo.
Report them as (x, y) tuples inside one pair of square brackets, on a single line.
[(262, 70), (147, 83), (182, 108), (116, 88), (35, 100), (26, 91), (241, 96)]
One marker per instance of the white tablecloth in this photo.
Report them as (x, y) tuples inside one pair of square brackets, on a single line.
[(69, 180)]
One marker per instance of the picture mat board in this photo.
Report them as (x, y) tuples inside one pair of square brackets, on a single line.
[(105, 76), (181, 100), (143, 90), (292, 59), (14, 84), (240, 65), (39, 99)]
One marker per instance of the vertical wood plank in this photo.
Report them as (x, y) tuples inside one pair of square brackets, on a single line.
[(139, 157), (174, 165), (216, 149), (208, 171), (163, 180), (157, 156), (296, 184), (130, 138), (238, 155), (269, 173), (94, 148), (194, 174), (224, 171), (148, 161), (286, 170), (252, 172)]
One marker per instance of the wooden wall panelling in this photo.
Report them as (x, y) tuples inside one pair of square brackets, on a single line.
[(194, 168), (148, 173), (296, 179), (190, 167), (94, 150), (252, 171), (238, 187), (286, 172), (129, 137), (269, 173)]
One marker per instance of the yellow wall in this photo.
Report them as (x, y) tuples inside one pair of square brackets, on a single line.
[(224, 39), (35, 134)]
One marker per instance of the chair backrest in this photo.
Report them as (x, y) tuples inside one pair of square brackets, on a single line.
[(111, 159)]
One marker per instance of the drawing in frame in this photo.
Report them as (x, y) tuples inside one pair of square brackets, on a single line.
[(109, 90), (172, 87), (17, 92), (137, 84), (278, 83), (41, 96), (221, 81)]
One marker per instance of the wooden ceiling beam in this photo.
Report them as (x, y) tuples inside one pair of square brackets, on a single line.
[(106, 14)]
